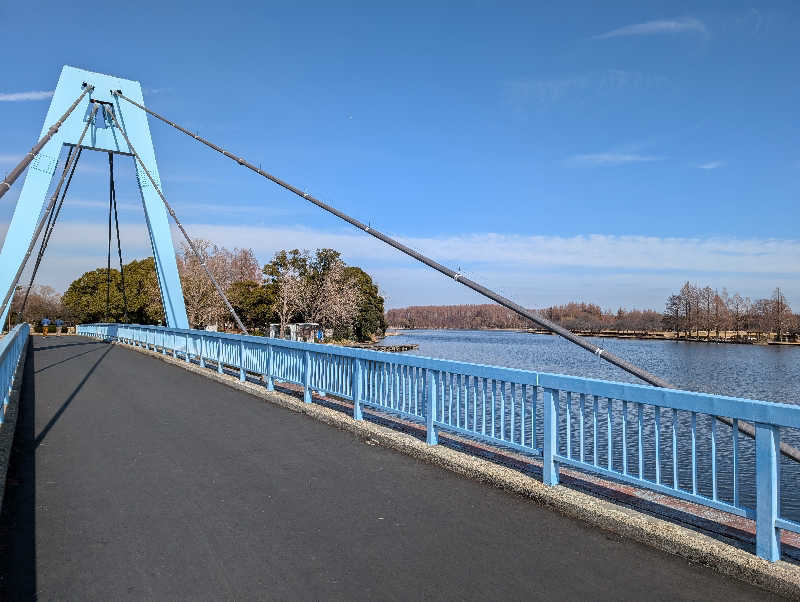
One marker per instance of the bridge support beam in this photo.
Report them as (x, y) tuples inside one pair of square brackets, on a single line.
[(102, 136)]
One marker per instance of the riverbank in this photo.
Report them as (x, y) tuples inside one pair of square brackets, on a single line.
[(730, 339)]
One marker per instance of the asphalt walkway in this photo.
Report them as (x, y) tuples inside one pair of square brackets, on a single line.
[(134, 479)]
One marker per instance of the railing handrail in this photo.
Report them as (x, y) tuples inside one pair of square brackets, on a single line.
[(7, 341), (501, 406), (741, 408)]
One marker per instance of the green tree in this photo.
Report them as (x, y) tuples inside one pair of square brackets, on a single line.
[(86, 297), (254, 303)]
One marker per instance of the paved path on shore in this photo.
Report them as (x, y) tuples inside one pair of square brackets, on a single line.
[(134, 479)]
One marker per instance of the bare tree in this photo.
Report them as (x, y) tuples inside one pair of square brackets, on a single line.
[(203, 304)]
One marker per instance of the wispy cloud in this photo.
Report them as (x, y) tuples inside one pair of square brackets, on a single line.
[(23, 96), (549, 91), (710, 165), (619, 270), (10, 159), (661, 26), (610, 159)]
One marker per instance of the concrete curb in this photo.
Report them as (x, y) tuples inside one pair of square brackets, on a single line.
[(780, 577), (9, 426)]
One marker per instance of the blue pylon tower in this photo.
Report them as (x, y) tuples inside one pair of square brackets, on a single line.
[(102, 136)]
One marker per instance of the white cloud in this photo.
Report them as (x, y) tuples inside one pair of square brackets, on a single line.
[(10, 159), (710, 165), (549, 91), (609, 159), (23, 96), (533, 270), (661, 26)]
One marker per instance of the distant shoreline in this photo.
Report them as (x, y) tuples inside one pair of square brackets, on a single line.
[(652, 336)]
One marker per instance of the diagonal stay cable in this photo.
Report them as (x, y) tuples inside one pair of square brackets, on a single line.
[(119, 244), (5, 185), (110, 207), (625, 365), (51, 224), (458, 277), (180, 226), (49, 208)]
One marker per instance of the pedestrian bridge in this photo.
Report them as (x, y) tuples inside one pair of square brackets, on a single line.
[(133, 478), (130, 477)]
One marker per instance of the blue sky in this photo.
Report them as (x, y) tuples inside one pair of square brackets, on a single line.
[(604, 152)]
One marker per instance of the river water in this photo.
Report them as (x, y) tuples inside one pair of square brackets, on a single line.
[(769, 373)]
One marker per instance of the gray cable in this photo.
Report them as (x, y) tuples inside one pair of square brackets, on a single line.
[(47, 211), (646, 376), (48, 231), (5, 185), (180, 226)]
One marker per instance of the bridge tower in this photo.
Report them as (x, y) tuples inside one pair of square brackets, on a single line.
[(103, 136)]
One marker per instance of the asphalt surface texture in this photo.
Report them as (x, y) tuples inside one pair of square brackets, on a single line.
[(134, 479)]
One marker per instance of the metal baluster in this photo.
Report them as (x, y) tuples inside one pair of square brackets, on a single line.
[(494, 409), (674, 448), (624, 436), (658, 443), (582, 407), (522, 415), (475, 385), (735, 432), (502, 410), (714, 457), (610, 441), (694, 453), (596, 438), (640, 436), (568, 433), (513, 404)]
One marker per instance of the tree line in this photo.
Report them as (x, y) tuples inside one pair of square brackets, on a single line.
[(702, 312), (695, 312), (295, 286), (582, 317)]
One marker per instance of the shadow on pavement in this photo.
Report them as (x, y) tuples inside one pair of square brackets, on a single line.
[(71, 357), (41, 347), (18, 516), (51, 423)]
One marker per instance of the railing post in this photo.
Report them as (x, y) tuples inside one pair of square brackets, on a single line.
[(355, 385), (188, 359), (550, 443), (202, 351), (270, 370), (768, 542), (307, 378), (174, 345), (219, 355), (242, 373), (432, 437)]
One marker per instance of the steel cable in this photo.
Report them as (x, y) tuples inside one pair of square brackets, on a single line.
[(49, 208), (51, 224), (5, 185), (180, 226), (625, 365), (113, 194)]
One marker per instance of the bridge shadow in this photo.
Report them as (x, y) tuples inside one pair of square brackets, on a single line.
[(18, 515), (51, 423), (48, 347), (70, 358)]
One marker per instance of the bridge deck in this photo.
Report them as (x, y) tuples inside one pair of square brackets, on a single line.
[(132, 478)]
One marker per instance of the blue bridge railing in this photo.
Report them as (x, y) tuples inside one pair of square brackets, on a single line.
[(665, 440), (11, 348)]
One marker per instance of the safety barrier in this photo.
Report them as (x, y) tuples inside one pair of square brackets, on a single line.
[(665, 440), (11, 348)]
